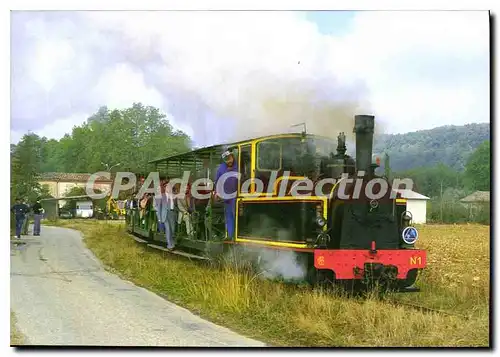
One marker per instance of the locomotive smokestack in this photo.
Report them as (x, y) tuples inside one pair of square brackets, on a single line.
[(363, 128)]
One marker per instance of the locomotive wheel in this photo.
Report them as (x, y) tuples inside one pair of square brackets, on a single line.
[(410, 279), (322, 278)]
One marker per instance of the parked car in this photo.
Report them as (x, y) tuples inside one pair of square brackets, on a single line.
[(84, 209), (65, 214)]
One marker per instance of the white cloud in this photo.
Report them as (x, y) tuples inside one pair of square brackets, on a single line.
[(15, 136), (54, 60), (233, 73), (423, 69), (53, 130), (121, 86)]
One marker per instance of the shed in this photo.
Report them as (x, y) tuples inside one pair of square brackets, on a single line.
[(51, 206), (477, 197), (416, 204), (476, 202)]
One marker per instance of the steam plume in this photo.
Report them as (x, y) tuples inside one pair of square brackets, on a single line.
[(273, 263), (268, 104), (230, 87)]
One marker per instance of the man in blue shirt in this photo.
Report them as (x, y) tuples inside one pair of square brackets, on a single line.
[(228, 170), (20, 210)]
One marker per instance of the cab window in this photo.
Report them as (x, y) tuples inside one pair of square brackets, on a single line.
[(245, 161), (268, 156), (245, 164)]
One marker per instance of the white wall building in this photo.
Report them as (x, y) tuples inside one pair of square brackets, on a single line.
[(416, 204), (59, 183)]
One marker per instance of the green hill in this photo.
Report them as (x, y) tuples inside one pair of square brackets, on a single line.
[(450, 145)]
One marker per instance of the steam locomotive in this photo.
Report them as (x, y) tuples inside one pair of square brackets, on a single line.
[(352, 225)]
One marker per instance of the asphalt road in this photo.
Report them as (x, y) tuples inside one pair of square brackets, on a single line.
[(61, 295)]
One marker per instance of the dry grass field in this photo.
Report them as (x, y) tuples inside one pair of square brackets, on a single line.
[(456, 281)]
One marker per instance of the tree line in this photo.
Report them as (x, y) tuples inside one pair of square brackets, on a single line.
[(123, 140), (450, 145), (445, 186), (431, 180)]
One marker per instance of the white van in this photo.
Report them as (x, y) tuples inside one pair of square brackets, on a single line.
[(84, 209)]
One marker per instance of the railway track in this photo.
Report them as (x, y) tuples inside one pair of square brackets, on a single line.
[(382, 297), (423, 309)]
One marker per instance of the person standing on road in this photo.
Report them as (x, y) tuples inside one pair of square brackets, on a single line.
[(20, 210), (37, 217)]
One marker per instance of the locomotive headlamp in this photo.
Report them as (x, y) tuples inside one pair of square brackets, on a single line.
[(320, 221), (406, 218)]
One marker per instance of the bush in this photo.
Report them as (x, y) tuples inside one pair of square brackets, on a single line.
[(483, 215), (453, 211)]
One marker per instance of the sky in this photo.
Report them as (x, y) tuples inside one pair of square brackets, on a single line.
[(222, 76)]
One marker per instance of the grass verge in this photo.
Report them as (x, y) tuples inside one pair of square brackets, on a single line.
[(16, 337), (456, 280)]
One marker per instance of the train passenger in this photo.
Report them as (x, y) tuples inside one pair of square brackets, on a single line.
[(142, 205), (184, 206), (170, 194), (158, 208), (230, 187), (20, 210), (166, 214), (131, 204), (128, 210)]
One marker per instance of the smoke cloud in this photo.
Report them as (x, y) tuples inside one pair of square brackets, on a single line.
[(268, 104), (273, 263), (282, 264), (270, 263), (226, 76)]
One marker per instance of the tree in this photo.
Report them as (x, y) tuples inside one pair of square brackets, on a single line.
[(45, 192), (51, 156), (131, 137), (102, 115), (26, 159), (432, 181), (477, 169)]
